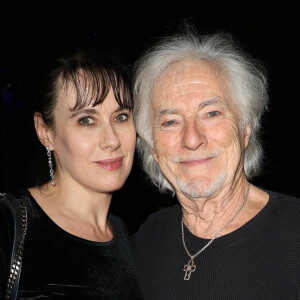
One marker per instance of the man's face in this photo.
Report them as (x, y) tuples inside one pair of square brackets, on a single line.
[(197, 140)]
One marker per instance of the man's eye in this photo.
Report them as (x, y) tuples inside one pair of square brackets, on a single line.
[(168, 123), (121, 117), (213, 113), (86, 121)]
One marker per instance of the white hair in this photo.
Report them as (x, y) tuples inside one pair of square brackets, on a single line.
[(246, 78)]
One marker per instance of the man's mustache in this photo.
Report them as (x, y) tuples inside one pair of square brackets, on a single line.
[(196, 156)]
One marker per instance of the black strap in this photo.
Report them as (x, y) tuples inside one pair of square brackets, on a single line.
[(20, 208)]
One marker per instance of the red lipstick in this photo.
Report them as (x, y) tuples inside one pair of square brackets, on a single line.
[(111, 164)]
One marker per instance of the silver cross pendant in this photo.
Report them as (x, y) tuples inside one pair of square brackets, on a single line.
[(188, 269)]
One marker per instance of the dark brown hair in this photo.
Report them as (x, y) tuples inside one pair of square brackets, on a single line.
[(92, 74)]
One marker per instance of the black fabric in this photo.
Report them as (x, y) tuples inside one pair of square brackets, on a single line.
[(16, 212), (6, 245), (260, 260), (59, 265)]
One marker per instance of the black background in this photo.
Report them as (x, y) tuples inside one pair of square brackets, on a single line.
[(30, 32)]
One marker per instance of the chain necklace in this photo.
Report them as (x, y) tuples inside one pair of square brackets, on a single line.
[(190, 266)]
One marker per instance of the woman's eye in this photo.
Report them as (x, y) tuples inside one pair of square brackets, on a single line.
[(86, 121), (121, 117)]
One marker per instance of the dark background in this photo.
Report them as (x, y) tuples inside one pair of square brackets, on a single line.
[(31, 32)]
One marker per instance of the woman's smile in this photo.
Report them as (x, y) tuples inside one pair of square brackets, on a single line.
[(111, 164)]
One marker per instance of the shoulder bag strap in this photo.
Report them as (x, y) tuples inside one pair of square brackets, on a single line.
[(19, 207)]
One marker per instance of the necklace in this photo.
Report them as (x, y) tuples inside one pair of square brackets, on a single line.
[(190, 266)]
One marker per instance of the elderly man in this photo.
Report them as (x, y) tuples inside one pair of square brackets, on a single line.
[(199, 103)]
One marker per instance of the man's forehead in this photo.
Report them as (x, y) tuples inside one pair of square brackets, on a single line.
[(164, 107), (189, 71), (193, 79)]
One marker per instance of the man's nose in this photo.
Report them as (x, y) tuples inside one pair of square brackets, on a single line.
[(193, 135)]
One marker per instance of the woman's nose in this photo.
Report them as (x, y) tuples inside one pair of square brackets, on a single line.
[(109, 139)]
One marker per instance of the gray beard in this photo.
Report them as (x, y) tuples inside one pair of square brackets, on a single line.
[(197, 189)]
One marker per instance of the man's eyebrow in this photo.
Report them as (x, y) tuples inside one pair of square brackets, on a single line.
[(211, 102), (203, 104), (167, 111), (90, 111)]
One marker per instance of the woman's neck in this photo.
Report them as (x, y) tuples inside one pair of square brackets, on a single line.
[(75, 209)]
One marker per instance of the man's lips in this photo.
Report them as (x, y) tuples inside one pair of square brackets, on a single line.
[(110, 164), (196, 162)]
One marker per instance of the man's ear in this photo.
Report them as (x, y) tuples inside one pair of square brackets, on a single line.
[(247, 136), (44, 133), (153, 153)]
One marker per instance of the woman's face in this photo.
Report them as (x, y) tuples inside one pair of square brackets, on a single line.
[(94, 146)]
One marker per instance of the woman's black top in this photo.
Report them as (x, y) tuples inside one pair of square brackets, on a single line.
[(59, 265)]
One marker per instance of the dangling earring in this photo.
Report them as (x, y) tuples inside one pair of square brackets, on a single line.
[(50, 165)]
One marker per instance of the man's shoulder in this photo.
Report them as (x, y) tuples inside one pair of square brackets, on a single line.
[(287, 206), (284, 199)]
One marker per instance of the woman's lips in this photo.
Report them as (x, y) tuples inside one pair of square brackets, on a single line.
[(111, 164)]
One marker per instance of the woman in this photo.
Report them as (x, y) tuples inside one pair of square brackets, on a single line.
[(73, 247)]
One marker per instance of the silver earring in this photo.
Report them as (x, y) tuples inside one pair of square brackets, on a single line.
[(50, 165)]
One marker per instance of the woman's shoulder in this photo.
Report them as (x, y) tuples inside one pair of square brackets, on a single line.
[(119, 226), (14, 195), (6, 208), (162, 216), (14, 207), (116, 221), (12, 201), (159, 222)]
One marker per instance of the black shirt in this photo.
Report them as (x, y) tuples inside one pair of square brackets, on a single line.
[(59, 265), (260, 260)]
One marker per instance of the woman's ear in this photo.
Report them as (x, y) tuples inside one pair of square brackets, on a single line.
[(44, 132)]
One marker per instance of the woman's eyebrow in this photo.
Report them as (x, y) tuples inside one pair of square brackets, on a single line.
[(120, 108), (84, 111), (92, 111)]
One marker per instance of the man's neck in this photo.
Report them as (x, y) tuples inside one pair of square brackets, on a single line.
[(204, 217)]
